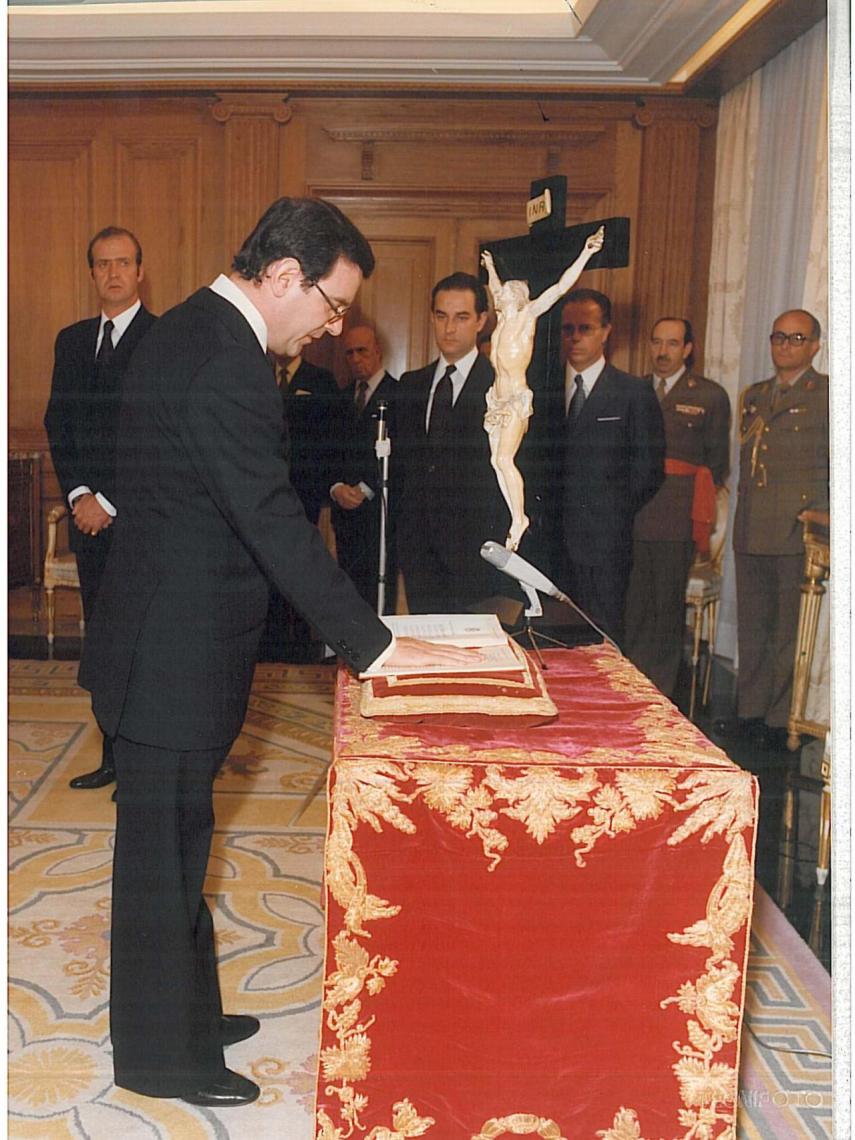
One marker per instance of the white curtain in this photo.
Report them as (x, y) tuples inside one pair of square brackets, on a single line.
[(770, 227)]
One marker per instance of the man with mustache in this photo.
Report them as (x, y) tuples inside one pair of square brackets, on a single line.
[(675, 523)]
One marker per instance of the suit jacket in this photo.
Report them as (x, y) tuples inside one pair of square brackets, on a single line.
[(82, 416), (783, 463), (314, 417), (357, 532), (447, 495), (208, 517), (613, 463), (696, 413)]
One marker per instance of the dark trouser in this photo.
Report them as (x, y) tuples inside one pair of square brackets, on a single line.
[(91, 560), (600, 591), (656, 609), (165, 1005), (435, 587), (768, 592), (357, 542)]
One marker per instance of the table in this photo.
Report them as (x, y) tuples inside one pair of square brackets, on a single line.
[(538, 932)]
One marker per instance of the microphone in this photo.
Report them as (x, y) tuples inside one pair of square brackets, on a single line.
[(382, 444), (516, 567), (531, 579), (380, 417)]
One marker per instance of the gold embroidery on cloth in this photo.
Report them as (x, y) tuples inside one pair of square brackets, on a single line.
[(520, 1124), (715, 803)]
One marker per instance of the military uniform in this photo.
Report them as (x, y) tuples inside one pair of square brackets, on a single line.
[(696, 412), (783, 470)]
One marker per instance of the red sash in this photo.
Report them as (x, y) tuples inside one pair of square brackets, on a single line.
[(703, 500)]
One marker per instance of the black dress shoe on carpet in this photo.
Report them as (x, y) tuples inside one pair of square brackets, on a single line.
[(236, 1027), (734, 727), (100, 778), (227, 1091)]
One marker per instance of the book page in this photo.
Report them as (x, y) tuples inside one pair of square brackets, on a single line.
[(448, 629)]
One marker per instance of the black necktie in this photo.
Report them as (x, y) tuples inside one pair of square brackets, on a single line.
[(578, 401), (361, 393), (439, 426), (105, 350)]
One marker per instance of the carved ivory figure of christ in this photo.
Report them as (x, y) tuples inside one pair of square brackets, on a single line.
[(509, 401)]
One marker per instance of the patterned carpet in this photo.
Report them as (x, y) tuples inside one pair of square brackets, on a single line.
[(264, 884)]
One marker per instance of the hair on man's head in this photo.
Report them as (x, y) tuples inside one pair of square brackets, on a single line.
[(462, 281), (598, 298), (312, 231), (108, 232)]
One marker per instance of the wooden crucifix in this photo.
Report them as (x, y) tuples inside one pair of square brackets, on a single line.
[(526, 277)]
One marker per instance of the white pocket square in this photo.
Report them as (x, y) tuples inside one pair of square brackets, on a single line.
[(607, 419)]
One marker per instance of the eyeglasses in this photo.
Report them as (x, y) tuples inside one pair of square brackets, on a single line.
[(796, 339), (339, 312)]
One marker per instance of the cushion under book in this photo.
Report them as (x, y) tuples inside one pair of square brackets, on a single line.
[(463, 699)]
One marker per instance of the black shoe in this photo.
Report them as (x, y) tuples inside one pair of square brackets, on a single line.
[(227, 1091), (100, 778), (731, 728), (236, 1027)]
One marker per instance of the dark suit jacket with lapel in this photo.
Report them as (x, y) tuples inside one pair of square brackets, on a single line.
[(446, 496), (696, 413), (613, 463), (82, 415), (208, 516), (358, 531), (313, 415)]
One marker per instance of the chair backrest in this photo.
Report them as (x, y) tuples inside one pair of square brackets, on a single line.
[(719, 532)]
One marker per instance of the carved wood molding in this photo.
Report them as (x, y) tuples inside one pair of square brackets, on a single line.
[(703, 117), (259, 106), (559, 135), (459, 202)]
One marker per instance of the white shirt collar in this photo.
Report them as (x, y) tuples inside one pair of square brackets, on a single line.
[(373, 384), (120, 323), (224, 287), (462, 368), (589, 378)]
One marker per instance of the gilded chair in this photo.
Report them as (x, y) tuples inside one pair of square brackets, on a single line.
[(703, 594), (60, 570)]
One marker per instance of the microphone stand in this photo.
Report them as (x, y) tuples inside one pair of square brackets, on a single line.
[(382, 449)]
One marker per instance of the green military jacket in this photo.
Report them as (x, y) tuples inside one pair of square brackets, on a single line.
[(783, 463), (697, 430)]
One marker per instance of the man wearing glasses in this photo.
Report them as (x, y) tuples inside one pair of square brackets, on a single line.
[(208, 518), (783, 469)]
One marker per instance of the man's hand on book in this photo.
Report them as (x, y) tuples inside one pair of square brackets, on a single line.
[(411, 653)]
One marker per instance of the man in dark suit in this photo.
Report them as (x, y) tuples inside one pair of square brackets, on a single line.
[(82, 416), (356, 491), (447, 500), (313, 412), (208, 516), (612, 462), (312, 405), (670, 528)]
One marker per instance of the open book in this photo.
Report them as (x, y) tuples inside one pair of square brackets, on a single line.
[(481, 631)]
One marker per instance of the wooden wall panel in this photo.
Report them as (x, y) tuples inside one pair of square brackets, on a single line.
[(426, 178), (158, 189), (50, 223)]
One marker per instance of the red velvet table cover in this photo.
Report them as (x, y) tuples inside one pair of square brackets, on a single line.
[(536, 932)]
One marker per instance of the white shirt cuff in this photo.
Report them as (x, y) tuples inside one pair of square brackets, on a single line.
[(387, 652)]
